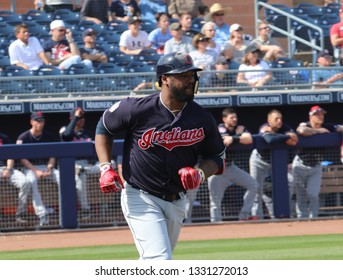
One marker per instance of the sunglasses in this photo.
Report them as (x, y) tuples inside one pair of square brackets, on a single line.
[(218, 14), (61, 30)]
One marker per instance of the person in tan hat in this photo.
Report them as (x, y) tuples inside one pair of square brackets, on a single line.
[(216, 14)]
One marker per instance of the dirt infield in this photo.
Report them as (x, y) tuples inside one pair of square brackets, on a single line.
[(76, 238)]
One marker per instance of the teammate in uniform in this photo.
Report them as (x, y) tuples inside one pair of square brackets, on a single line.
[(274, 131), (307, 169), (166, 134), (36, 169), (232, 133), (75, 132), (16, 178)]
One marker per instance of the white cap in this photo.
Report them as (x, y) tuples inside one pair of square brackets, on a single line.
[(235, 27), (56, 24)]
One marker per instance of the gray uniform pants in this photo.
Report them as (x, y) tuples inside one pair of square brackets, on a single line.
[(259, 170), (307, 182), (217, 185)]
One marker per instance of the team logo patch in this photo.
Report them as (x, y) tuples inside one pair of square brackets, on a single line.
[(171, 139), (222, 129)]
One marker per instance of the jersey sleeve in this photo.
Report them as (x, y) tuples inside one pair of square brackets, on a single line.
[(117, 117)]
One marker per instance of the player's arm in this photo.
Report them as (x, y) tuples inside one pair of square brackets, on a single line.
[(109, 179), (305, 130)]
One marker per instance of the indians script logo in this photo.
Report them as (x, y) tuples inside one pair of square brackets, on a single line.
[(171, 139)]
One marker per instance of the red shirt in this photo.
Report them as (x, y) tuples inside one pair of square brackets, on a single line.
[(337, 28)]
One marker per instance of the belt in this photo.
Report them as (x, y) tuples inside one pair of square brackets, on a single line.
[(170, 197)]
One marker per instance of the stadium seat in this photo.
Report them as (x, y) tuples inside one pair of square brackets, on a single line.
[(78, 69), (9, 16), (84, 24), (108, 36), (148, 26), (4, 62), (139, 67), (36, 29), (120, 60), (284, 8), (105, 68), (117, 27), (6, 29), (48, 70), (310, 10), (67, 16), (37, 15), (12, 71), (327, 19)]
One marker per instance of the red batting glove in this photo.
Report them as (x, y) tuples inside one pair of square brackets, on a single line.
[(191, 178), (109, 180)]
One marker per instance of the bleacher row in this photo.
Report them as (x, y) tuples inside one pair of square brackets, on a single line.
[(321, 16)]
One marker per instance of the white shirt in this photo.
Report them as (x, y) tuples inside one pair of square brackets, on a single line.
[(253, 77), (26, 54), (141, 41)]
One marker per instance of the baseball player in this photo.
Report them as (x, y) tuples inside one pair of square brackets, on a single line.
[(16, 178), (232, 133), (35, 169), (166, 134), (273, 131), (75, 132), (307, 169)]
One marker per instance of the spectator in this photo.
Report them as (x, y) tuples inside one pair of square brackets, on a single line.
[(186, 23), (203, 57), (274, 131), (134, 40), (177, 7), (159, 36), (323, 78), (178, 43), (61, 48), (208, 29), (270, 49), (222, 80), (50, 6), (91, 52), (232, 133), (216, 14), (307, 169), (75, 132), (38, 169), (252, 62), (26, 52), (17, 179), (149, 8), (234, 48), (123, 10), (97, 11)]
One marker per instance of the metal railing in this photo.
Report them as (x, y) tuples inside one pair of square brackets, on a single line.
[(289, 31)]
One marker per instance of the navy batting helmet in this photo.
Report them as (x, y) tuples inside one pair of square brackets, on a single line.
[(174, 63)]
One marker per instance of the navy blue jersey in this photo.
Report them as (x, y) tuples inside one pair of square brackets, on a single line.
[(58, 49), (277, 137), (27, 138), (158, 143), (121, 9), (314, 156), (231, 155), (68, 133)]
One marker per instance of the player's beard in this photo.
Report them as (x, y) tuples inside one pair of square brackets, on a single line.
[(180, 94)]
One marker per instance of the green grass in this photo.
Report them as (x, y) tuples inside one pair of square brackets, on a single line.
[(316, 247)]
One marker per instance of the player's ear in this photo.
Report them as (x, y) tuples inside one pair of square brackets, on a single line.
[(163, 79)]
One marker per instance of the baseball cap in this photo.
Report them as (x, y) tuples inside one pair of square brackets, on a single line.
[(324, 53), (175, 26), (57, 24), (251, 48), (316, 109), (36, 116), (235, 27), (134, 19), (88, 32)]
